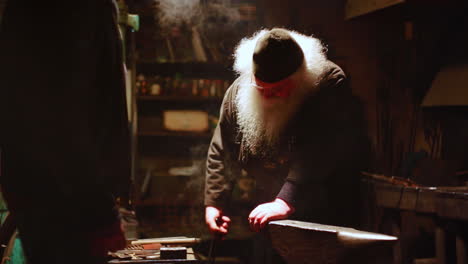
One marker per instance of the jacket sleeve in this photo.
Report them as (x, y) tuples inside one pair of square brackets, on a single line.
[(222, 168), (321, 139)]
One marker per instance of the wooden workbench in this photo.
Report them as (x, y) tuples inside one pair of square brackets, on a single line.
[(445, 204)]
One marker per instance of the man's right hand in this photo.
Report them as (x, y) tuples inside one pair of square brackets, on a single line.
[(216, 221)]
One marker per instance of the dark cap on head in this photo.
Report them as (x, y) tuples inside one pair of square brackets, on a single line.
[(276, 56)]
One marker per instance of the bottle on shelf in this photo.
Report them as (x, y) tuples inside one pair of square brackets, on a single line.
[(206, 88), (141, 85), (213, 88), (177, 85), (195, 87)]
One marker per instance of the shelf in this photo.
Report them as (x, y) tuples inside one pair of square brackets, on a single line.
[(166, 202), (175, 134), (188, 69), (176, 98), (165, 173)]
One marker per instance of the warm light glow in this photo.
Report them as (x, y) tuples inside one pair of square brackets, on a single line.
[(448, 87)]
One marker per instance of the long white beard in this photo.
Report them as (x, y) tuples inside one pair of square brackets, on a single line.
[(264, 121)]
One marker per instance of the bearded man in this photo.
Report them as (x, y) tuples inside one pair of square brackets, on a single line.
[(291, 121)]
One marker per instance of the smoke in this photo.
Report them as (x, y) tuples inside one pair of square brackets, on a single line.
[(209, 17), (181, 24), (218, 17), (176, 12), (197, 183)]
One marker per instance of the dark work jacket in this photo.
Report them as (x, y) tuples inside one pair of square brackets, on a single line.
[(63, 123), (318, 170)]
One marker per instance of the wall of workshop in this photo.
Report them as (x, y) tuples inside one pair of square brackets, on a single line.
[(413, 41), (2, 7), (390, 56)]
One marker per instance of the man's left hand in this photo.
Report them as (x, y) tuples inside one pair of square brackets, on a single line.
[(264, 213)]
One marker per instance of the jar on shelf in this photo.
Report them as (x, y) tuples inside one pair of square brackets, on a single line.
[(155, 88)]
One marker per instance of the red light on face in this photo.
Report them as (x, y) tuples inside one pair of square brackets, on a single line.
[(282, 88)]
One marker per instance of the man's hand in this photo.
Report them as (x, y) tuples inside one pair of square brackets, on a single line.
[(216, 221), (264, 213)]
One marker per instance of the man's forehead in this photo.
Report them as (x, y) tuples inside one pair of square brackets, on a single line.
[(286, 81)]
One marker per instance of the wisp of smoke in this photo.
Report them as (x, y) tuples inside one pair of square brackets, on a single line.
[(173, 12), (207, 16)]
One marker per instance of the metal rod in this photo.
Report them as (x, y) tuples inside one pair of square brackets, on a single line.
[(211, 253)]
